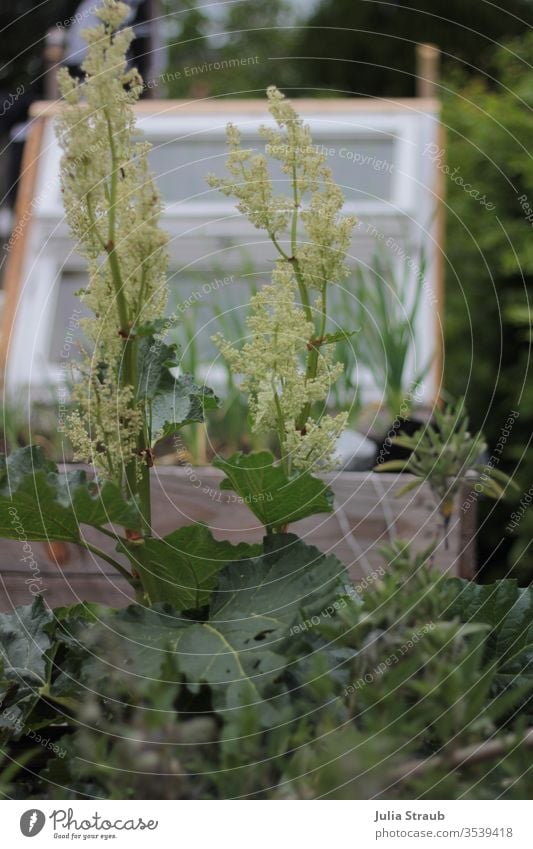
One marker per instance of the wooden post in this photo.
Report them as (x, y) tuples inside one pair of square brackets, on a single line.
[(23, 213), (54, 51), (427, 70), (440, 240)]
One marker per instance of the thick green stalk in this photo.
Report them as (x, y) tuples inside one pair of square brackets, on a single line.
[(138, 486), (285, 461), (104, 556), (314, 345), (111, 237), (145, 498), (312, 357), (132, 579), (304, 297)]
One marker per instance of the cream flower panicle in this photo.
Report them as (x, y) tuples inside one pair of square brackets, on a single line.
[(272, 362), (250, 184), (288, 364), (113, 210)]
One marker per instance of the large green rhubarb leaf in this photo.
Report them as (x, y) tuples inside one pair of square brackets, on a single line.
[(273, 497), (39, 503), (24, 642), (182, 568), (240, 651), (170, 402)]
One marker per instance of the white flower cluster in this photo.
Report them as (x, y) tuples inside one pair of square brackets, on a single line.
[(113, 211), (288, 363)]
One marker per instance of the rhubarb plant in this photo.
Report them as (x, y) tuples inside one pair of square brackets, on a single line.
[(287, 363), (126, 396)]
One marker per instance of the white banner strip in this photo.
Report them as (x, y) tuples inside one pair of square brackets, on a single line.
[(254, 825)]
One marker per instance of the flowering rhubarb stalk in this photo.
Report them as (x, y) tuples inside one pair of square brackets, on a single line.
[(288, 364), (113, 211)]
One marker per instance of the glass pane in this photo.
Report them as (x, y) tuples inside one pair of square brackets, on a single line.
[(363, 167), (67, 337)]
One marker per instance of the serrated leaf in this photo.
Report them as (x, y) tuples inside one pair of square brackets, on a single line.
[(88, 611), (182, 568), (24, 642), (154, 361), (288, 578), (239, 650), (508, 610), (183, 403), (273, 497), (40, 503), (170, 402)]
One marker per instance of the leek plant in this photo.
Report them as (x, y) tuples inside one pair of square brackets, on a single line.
[(386, 308)]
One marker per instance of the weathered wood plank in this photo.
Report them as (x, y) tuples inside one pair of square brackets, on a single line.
[(367, 515)]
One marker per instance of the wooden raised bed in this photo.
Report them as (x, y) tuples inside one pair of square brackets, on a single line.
[(367, 515)]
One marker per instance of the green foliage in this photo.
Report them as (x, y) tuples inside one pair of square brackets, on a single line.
[(180, 404), (258, 671), (489, 272), (274, 497), (232, 57), (286, 688), (182, 568), (170, 402), (41, 503), (369, 48), (508, 610), (424, 688), (23, 664), (447, 455), (236, 651), (386, 310), (337, 47), (51, 505)]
